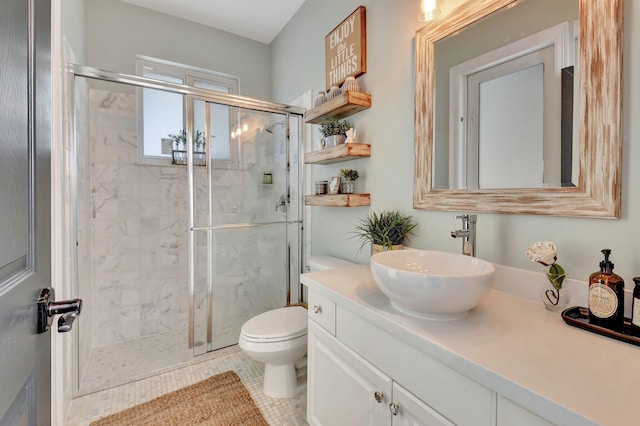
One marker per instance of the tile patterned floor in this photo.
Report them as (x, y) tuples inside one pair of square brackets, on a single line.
[(137, 359), (277, 412)]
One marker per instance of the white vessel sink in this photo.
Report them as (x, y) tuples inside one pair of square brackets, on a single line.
[(432, 284)]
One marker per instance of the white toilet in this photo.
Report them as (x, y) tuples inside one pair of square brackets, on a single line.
[(279, 339)]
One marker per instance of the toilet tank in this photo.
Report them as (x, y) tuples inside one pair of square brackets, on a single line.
[(322, 263)]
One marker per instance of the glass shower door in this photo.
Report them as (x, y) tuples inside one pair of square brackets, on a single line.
[(241, 216)]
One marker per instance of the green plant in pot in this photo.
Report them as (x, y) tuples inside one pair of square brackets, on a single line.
[(349, 177), (334, 132), (386, 230), (180, 140), (180, 147)]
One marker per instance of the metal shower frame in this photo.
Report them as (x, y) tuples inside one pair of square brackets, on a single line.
[(76, 70)]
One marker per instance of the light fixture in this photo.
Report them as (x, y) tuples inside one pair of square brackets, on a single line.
[(239, 130), (428, 10)]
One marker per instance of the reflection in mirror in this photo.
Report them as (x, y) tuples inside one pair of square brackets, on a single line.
[(498, 98), (497, 125)]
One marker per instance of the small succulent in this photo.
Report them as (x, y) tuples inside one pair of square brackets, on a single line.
[(349, 174), (331, 128)]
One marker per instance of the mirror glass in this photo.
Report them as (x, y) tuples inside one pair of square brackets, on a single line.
[(500, 103), (518, 108)]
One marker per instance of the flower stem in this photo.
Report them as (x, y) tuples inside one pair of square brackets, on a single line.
[(553, 296)]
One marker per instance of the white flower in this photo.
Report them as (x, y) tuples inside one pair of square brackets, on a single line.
[(543, 252)]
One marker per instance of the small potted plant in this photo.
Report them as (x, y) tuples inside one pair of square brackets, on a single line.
[(386, 230), (179, 140), (179, 150), (334, 132), (180, 147), (199, 155), (348, 184)]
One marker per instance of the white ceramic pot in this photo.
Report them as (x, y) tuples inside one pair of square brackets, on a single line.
[(334, 140), (350, 84)]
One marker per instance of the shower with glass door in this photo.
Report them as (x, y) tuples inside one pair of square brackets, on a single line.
[(172, 259), (245, 229)]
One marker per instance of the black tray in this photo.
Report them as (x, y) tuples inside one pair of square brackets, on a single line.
[(579, 317)]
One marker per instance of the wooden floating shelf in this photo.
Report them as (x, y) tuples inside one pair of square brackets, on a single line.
[(340, 152), (338, 200), (341, 106)]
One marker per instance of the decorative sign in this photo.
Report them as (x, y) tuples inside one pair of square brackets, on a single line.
[(346, 49)]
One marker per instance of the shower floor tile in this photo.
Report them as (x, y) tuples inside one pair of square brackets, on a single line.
[(121, 363), (280, 412)]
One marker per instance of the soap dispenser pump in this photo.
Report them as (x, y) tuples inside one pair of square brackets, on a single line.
[(606, 296)]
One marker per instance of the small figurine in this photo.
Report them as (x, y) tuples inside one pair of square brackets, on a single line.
[(351, 135)]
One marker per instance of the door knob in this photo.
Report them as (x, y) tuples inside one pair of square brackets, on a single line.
[(47, 307), (394, 409)]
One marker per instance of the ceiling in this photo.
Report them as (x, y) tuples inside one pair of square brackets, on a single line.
[(259, 20)]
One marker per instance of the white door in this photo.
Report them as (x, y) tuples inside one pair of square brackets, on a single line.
[(25, 234), (342, 387)]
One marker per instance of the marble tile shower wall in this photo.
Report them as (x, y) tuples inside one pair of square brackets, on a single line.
[(139, 229), (139, 233)]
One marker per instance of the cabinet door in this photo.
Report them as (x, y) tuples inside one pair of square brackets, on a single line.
[(410, 411), (342, 386)]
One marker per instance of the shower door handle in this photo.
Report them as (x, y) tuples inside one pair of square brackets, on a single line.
[(47, 308)]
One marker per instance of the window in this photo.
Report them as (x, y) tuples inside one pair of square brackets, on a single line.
[(163, 112)]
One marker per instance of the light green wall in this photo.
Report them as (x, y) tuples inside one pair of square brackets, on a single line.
[(297, 65), (118, 31), (72, 23)]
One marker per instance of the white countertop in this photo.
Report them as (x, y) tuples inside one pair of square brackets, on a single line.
[(511, 345)]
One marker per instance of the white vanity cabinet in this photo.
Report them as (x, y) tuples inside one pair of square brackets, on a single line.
[(510, 413), (343, 388), (510, 362)]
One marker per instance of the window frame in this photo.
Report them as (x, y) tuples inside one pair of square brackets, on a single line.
[(189, 75)]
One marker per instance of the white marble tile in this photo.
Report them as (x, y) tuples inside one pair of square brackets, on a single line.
[(105, 154), (105, 208)]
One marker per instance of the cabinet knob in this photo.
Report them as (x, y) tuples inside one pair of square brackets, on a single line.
[(317, 309), (394, 408), (378, 396)]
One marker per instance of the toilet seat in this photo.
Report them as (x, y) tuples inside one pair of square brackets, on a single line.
[(276, 326)]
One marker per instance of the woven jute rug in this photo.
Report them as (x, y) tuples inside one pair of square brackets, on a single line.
[(219, 400)]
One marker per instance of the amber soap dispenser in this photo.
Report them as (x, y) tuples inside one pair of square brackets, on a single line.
[(606, 296)]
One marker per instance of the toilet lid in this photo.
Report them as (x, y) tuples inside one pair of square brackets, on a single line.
[(283, 323)]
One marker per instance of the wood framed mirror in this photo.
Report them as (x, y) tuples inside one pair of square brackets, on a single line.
[(596, 191)]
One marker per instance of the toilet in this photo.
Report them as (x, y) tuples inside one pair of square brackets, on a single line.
[(279, 339)]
